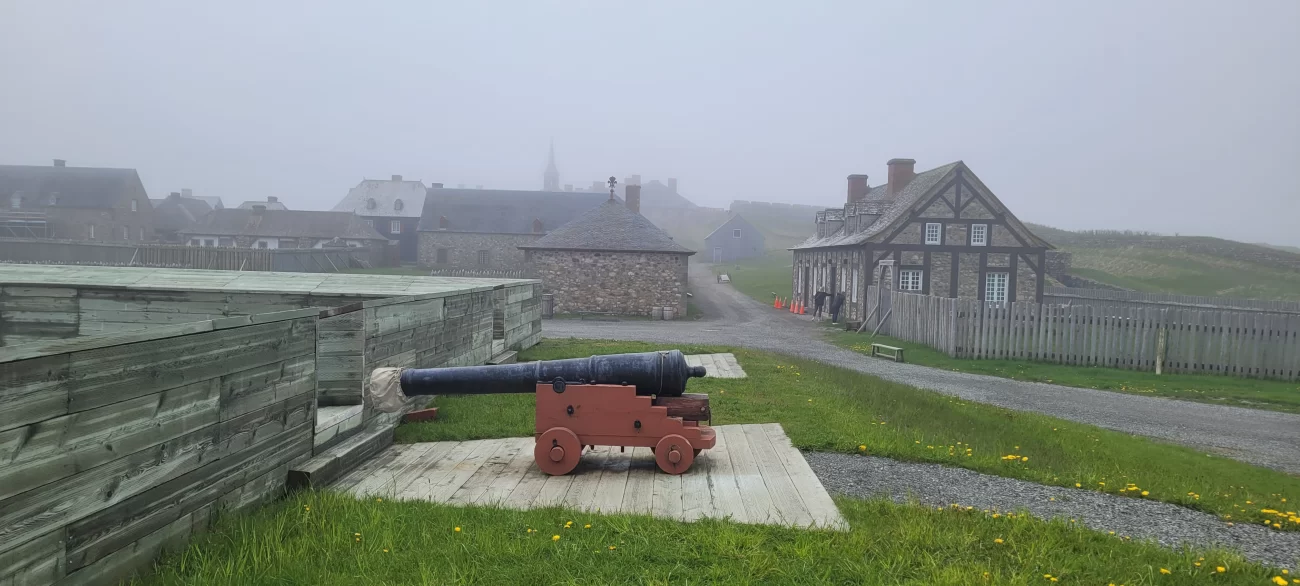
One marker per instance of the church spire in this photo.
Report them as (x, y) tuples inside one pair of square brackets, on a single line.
[(551, 181)]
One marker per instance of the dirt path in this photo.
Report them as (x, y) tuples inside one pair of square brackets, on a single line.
[(1264, 438)]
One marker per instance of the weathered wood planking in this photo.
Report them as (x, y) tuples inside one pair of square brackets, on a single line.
[(773, 484), (1116, 336)]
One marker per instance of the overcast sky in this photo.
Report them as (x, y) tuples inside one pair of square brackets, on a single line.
[(1170, 116)]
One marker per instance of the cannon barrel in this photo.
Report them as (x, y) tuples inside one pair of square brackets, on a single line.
[(661, 373)]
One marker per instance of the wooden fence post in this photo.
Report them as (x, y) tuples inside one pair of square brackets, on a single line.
[(1161, 338)]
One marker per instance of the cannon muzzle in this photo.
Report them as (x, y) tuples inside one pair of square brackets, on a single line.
[(661, 373)]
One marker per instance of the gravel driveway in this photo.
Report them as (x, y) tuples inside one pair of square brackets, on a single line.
[(1264, 438), (942, 486)]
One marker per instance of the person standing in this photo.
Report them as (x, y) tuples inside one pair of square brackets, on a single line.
[(837, 303), (819, 300)]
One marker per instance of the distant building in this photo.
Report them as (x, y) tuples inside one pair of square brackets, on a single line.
[(74, 203), (393, 207), (213, 201), (551, 179), (175, 213), (484, 228), (734, 240), (611, 259), (941, 232), (272, 203), (263, 228)]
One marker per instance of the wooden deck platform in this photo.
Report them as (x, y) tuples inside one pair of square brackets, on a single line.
[(753, 475), (722, 365)]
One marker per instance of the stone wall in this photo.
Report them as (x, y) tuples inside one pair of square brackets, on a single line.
[(624, 283), (463, 249)]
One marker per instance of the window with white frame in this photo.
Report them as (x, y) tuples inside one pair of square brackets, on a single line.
[(995, 287), (979, 234), (910, 280), (735, 233), (135, 207), (395, 227), (141, 234), (933, 233), (126, 234), (92, 231)]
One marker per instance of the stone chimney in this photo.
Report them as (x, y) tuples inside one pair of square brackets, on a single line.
[(60, 163), (397, 177), (435, 185), (272, 199), (672, 184), (174, 196), (901, 172), (632, 196), (635, 180), (857, 188), (537, 226), (187, 192)]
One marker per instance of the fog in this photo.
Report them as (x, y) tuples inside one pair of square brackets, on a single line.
[(1168, 116)]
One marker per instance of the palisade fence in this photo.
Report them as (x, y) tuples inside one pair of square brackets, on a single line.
[(1177, 340), (1074, 296)]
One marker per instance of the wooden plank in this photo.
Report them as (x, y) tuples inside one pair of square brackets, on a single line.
[(444, 477), (613, 481), (38, 561), (696, 499), (586, 479), (667, 499), (639, 492), (723, 492), (529, 487), (509, 477), (553, 490), (811, 492), (393, 479), (749, 480), (372, 466), (101, 534), (785, 497), (487, 474), (34, 390)]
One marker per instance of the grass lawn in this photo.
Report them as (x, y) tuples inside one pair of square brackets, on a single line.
[(1175, 271), (1203, 388), (832, 409), (326, 538), (761, 277)]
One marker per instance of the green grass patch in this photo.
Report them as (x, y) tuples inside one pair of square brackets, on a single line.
[(1185, 273), (326, 538), (761, 278), (1203, 388), (832, 409)]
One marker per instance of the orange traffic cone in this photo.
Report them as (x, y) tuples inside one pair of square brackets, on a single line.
[(801, 308), (776, 302)]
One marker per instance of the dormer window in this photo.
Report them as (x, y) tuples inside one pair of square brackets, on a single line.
[(16, 201), (54, 199), (397, 205), (370, 203)]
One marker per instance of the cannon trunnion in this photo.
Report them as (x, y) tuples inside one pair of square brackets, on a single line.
[(625, 400)]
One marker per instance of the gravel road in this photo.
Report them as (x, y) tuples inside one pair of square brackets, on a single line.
[(1263, 438), (942, 486)]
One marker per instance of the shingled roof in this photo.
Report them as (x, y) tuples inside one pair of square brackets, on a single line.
[(77, 187), (283, 224), (609, 227), (176, 212), (500, 211), (890, 210)]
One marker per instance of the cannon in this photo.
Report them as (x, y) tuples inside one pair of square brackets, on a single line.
[(624, 400)]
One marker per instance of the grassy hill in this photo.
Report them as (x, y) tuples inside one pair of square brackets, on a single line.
[(782, 225), (1189, 265)]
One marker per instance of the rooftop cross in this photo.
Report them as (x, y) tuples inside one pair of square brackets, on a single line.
[(612, 182)]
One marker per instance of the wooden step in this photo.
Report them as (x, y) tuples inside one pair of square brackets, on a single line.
[(507, 357)]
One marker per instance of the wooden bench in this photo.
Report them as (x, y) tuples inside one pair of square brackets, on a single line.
[(897, 352), (724, 278)]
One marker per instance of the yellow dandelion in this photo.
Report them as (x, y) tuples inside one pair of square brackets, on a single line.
[(1164, 571), (555, 538), (458, 530), (587, 526), (379, 500), (611, 548), (1024, 458), (356, 535), (862, 448), (1144, 493), (385, 550), (1220, 569), (1197, 564), (1077, 485), (1279, 580), (998, 540)]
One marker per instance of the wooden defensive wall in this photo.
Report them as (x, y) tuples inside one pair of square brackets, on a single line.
[(135, 403)]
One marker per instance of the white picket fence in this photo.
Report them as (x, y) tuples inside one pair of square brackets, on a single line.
[(1249, 344)]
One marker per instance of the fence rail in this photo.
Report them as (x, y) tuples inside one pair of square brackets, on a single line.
[(311, 260), (484, 273), (1177, 340), (1074, 296)]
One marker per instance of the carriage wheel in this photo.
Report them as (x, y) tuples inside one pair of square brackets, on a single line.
[(557, 451), (674, 454)]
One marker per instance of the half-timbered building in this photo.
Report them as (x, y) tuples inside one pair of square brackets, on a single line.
[(940, 232)]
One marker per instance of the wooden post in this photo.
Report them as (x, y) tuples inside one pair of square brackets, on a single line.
[(1161, 338), (882, 321)]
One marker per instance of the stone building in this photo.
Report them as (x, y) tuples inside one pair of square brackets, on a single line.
[(941, 232), (263, 228), (610, 259), (75, 203), (393, 207), (734, 240), (272, 203), (484, 228)]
